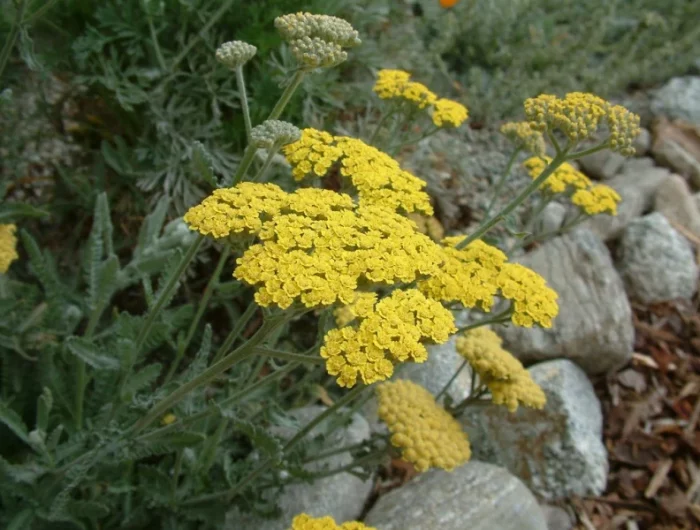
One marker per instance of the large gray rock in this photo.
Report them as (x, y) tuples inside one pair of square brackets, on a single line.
[(553, 217), (671, 152), (656, 262), (675, 201), (679, 98), (594, 325), (475, 496), (341, 496), (642, 143), (557, 451), (602, 165), (637, 183)]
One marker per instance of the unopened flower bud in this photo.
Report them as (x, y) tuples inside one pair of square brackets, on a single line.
[(235, 54), (274, 132), (313, 52), (330, 29)]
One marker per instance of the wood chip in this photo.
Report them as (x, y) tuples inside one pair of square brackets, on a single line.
[(645, 360), (658, 479)]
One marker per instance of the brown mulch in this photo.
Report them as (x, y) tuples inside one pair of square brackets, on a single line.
[(652, 412)]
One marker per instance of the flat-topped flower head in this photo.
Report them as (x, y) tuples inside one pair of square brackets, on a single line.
[(320, 260), (376, 176), (328, 28), (317, 41), (448, 113), (508, 381), (8, 246), (235, 54), (533, 301), (580, 115), (272, 133), (525, 137), (389, 332), (597, 199), (566, 178), (306, 522), (427, 435), (361, 306), (391, 83)]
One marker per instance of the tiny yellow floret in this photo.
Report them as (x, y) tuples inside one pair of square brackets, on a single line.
[(448, 113), (508, 381), (306, 522), (168, 419), (427, 434), (564, 179), (525, 137), (597, 199), (8, 246)]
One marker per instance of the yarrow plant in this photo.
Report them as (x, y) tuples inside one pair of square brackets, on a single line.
[(335, 245)]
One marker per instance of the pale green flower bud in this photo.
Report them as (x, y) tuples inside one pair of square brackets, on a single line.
[(235, 54), (274, 132), (330, 29), (314, 52)]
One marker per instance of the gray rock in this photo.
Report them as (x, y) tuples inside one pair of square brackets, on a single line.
[(552, 218), (341, 496), (642, 143), (557, 451), (475, 496), (594, 325), (674, 155), (637, 183), (656, 262), (557, 517), (696, 200), (602, 165), (679, 98), (675, 201)]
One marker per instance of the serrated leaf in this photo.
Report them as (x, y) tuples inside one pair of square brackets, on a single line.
[(22, 521), (90, 354), (105, 222), (87, 509), (153, 224), (43, 408), (11, 212), (201, 165), (14, 422), (260, 439), (155, 482), (141, 379), (107, 274)]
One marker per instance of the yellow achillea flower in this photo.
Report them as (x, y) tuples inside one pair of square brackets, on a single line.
[(579, 115), (448, 113), (390, 332), (533, 301), (525, 137), (418, 94), (562, 180), (427, 435), (320, 260), (377, 177), (597, 199), (468, 275), (396, 84), (508, 381), (430, 226), (361, 306), (306, 522), (8, 246)]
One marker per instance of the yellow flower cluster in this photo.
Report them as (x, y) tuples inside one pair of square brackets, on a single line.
[(533, 301), (562, 180), (597, 199), (468, 275), (592, 199), (397, 84), (361, 306), (428, 225), (427, 435), (320, 260), (524, 137), (389, 332), (8, 246), (448, 113), (578, 116), (508, 381), (305, 522), (376, 176)]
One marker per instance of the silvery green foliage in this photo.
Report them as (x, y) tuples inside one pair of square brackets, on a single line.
[(235, 54), (274, 132)]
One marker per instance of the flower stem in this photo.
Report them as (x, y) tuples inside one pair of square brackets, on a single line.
[(211, 373), (244, 101), (289, 356), (167, 290), (452, 379), (512, 205), (502, 181), (81, 376), (203, 303), (243, 166), (270, 156), (287, 94), (498, 318), (380, 124), (237, 329), (10, 42), (156, 46)]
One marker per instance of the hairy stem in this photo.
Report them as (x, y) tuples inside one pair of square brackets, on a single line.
[(244, 101), (236, 331), (287, 94)]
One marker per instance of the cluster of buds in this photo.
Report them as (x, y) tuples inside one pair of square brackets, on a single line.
[(317, 41), (235, 54), (274, 133), (524, 137)]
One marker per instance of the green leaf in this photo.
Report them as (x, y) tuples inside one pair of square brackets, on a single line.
[(267, 444), (201, 165), (89, 353), (21, 521), (107, 274), (102, 206), (43, 408), (152, 225), (14, 211), (87, 509), (141, 379), (14, 422)]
